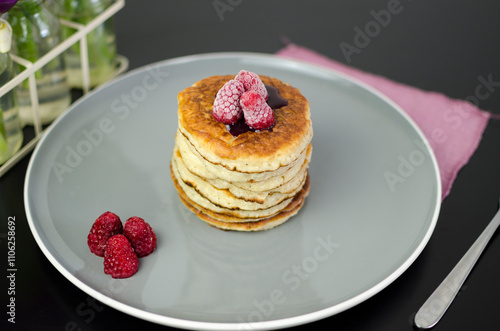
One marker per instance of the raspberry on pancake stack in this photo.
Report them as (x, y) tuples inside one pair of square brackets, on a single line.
[(242, 151)]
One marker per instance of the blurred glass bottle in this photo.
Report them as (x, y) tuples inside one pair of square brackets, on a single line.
[(101, 42), (36, 31), (11, 136)]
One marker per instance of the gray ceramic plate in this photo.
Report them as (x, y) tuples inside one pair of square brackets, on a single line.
[(374, 201)]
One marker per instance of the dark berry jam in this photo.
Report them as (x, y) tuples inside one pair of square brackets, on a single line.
[(274, 101), (241, 127)]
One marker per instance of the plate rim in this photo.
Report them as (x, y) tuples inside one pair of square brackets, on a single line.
[(262, 325)]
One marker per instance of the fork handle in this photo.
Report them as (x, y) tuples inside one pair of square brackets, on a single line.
[(439, 301)]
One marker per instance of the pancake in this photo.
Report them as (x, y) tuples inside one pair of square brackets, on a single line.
[(200, 200), (255, 181), (251, 181), (225, 222), (230, 196), (266, 150)]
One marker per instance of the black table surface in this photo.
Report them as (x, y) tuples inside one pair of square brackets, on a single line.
[(439, 45)]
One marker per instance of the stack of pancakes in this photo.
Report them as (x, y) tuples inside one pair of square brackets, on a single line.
[(249, 182)]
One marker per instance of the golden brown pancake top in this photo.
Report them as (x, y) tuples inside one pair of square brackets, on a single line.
[(289, 136)]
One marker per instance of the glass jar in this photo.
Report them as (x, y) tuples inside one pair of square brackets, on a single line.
[(11, 135), (36, 31), (101, 41)]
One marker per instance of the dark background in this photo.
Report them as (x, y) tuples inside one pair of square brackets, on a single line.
[(442, 46)]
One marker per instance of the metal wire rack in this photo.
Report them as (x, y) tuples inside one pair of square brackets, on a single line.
[(32, 67)]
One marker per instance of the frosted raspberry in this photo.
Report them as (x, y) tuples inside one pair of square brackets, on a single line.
[(105, 226), (258, 115), (252, 82), (141, 236), (227, 107), (120, 260)]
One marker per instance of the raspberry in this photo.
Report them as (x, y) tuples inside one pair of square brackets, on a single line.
[(141, 236), (252, 82), (104, 227), (120, 260), (258, 115), (226, 105)]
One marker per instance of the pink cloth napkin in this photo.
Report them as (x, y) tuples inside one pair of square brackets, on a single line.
[(453, 127)]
